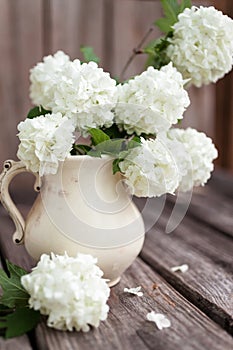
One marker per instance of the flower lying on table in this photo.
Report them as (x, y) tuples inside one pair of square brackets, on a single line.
[(70, 291)]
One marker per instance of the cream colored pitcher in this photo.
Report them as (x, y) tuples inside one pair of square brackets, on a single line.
[(83, 208)]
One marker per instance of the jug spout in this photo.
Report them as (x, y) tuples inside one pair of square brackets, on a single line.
[(12, 168)]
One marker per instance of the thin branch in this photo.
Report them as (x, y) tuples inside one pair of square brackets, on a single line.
[(136, 51)]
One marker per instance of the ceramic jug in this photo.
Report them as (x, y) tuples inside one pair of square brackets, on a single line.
[(83, 208)]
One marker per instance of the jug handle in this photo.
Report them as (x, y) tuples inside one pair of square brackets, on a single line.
[(10, 169)]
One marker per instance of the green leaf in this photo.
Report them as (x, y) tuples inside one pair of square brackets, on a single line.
[(157, 56), (171, 10), (37, 111), (13, 292), (94, 153), (151, 45), (88, 54), (79, 149), (115, 165), (19, 322), (111, 147), (184, 4), (98, 136), (164, 25), (135, 142)]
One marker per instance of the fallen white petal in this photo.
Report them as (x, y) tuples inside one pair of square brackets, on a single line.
[(135, 291), (160, 320), (181, 268)]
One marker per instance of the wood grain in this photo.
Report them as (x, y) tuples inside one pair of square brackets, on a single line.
[(21, 48), (221, 181), (75, 23), (126, 326), (224, 106), (209, 282), (211, 207), (19, 343)]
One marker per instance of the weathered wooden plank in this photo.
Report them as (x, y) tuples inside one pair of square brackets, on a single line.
[(132, 19), (212, 208), (21, 48), (224, 106), (18, 343), (209, 282), (75, 23), (222, 182), (201, 112), (126, 326)]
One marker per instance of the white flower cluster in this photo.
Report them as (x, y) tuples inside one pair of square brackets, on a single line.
[(152, 101), (45, 141), (202, 47), (201, 152), (150, 169), (82, 92), (69, 290)]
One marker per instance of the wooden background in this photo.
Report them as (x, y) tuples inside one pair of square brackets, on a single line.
[(31, 29)]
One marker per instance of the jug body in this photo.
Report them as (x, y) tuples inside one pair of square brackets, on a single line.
[(85, 208)]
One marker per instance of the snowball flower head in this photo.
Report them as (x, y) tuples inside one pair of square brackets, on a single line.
[(201, 151), (83, 92), (202, 47), (152, 101), (70, 290), (44, 76), (44, 141), (150, 169)]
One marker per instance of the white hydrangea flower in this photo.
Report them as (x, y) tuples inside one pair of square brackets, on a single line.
[(202, 46), (201, 151), (152, 101), (69, 290), (178, 151), (135, 291), (150, 169), (83, 92), (160, 320), (44, 141), (44, 76)]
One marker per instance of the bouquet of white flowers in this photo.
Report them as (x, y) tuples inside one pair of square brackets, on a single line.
[(132, 122)]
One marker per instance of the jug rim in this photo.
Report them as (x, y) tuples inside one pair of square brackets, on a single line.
[(86, 156)]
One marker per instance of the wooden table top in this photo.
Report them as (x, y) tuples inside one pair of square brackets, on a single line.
[(199, 302)]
